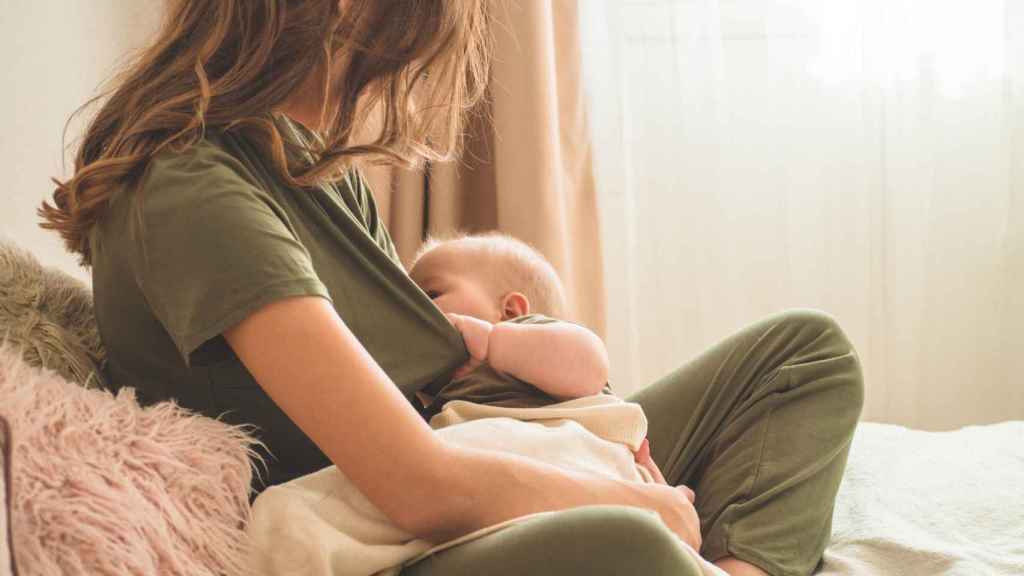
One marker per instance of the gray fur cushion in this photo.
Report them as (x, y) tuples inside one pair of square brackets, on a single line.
[(48, 315)]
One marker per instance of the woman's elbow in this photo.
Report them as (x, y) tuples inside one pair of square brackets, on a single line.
[(422, 523), (435, 511), (434, 525)]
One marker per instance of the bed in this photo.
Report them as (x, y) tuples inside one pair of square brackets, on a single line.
[(929, 503), (911, 502)]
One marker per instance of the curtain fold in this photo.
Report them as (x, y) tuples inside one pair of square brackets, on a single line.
[(526, 170), (864, 157)]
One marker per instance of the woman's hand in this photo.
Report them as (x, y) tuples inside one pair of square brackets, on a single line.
[(683, 519), (643, 458), (476, 334), (675, 506)]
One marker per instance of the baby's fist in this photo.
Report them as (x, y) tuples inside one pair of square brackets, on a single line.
[(476, 333)]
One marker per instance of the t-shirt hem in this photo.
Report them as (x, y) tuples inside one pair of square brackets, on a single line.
[(255, 300)]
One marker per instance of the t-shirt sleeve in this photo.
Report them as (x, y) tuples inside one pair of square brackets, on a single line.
[(532, 319), (212, 247)]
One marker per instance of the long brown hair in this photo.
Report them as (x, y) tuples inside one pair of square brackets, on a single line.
[(228, 64)]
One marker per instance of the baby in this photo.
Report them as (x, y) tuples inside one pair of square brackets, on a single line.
[(504, 297)]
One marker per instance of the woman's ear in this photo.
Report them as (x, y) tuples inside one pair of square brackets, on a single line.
[(514, 304)]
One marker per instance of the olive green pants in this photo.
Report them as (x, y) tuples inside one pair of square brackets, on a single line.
[(759, 426)]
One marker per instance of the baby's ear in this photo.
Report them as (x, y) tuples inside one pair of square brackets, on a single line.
[(514, 304)]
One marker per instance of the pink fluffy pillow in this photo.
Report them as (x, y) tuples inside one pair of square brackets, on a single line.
[(102, 486), (6, 563)]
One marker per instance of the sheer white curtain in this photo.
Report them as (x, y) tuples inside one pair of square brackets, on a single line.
[(863, 157)]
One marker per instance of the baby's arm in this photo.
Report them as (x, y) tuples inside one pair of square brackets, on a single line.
[(563, 359)]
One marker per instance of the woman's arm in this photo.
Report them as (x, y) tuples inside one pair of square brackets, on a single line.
[(561, 358), (314, 368)]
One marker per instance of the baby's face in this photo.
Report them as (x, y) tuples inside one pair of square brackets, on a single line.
[(451, 277)]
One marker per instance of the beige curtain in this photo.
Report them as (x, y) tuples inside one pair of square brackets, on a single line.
[(527, 170)]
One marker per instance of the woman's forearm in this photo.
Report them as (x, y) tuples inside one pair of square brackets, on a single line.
[(563, 359), (478, 488), (299, 351)]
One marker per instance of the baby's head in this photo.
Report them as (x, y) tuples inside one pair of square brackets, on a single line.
[(493, 277)]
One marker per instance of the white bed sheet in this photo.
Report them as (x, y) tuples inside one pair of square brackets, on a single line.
[(931, 503)]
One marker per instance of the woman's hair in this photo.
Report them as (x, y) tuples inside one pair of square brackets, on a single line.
[(228, 64), (508, 264)]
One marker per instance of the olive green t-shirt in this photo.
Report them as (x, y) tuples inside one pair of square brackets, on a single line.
[(219, 236)]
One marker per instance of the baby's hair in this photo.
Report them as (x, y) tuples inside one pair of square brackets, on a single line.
[(513, 265)]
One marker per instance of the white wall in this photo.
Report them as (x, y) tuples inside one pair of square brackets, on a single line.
[(56, 53)]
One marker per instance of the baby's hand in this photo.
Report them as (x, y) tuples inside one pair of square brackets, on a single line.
[(476, 334), (643, 458)]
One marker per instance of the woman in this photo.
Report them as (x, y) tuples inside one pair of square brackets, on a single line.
[(240, 267)]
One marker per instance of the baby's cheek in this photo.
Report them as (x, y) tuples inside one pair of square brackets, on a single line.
[(443, 305), (450, 305)]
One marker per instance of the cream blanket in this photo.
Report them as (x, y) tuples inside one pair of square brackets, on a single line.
[(321, 525)]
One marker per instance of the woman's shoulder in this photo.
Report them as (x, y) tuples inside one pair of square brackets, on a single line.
[(200, 167), (209, 182), (201, 191)]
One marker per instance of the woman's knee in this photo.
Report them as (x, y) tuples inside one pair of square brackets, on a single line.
[(813, 323), (597, 540), (614, 540), (634, 538), (821, 337)]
